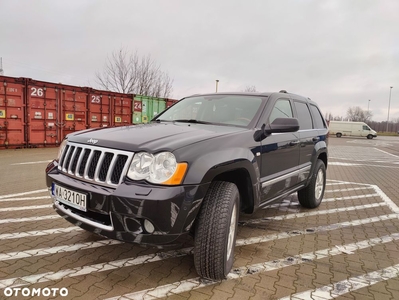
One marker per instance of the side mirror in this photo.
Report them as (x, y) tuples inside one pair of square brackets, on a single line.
[(282, 125), (279, 125)]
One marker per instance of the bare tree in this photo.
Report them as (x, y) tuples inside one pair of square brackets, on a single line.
[(357, 114), (250, 89), (128, 73)]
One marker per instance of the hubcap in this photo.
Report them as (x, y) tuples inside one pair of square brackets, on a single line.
[(232, 231), (319, 184)]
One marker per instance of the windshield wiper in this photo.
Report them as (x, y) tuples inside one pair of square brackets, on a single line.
[(192, 121)]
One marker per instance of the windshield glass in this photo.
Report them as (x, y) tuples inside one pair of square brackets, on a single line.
[(235, 110)]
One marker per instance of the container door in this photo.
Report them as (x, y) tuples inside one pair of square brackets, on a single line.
[(161, 105), (137, 109), (42, 111), (99, 109), (123, 109), (155, 107), (73, 112), (144, 112), (12, 113)]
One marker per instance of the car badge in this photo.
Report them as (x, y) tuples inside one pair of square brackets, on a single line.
[(92, 141)]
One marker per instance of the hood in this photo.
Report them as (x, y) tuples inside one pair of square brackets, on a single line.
[(153, 137)]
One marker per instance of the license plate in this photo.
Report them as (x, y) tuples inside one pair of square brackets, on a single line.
[(70, 197)]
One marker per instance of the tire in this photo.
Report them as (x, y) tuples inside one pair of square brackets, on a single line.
[(339, 135), (216, 231), (369, 137), (311, 196)]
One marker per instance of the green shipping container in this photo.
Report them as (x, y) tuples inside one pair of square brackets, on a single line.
[(146, 109), (137, 118), (155, 110), (161, 105)]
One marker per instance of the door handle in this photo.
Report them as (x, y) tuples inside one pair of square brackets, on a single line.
[(293, 143)]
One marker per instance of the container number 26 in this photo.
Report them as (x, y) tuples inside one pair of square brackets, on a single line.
[(38, 92)]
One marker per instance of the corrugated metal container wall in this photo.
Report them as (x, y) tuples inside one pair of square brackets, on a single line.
[(161, 105), (12, 112), (137, 109), (74, 109), (99, 108), (155, 107), (146, 108), (42, 114), (170, 102), (123, 109)]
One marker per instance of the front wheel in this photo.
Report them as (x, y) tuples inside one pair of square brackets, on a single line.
[(369, 137), (339, 135), (311, 196), (216, 231)]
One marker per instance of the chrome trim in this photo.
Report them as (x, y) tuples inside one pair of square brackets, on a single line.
[(283, 177), (81, 219), (73, 149)]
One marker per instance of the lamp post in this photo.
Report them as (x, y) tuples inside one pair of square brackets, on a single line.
[(368, 106), (217, 82), (389, 104)]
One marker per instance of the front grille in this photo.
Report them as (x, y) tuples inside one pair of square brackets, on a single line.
[(95, 164)]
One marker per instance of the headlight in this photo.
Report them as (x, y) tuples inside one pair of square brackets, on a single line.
[(160, 168), (61, 148)]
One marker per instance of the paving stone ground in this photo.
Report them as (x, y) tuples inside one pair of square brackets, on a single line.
[(348, 248)]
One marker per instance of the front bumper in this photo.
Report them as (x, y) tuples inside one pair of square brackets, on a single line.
[(120, 213)]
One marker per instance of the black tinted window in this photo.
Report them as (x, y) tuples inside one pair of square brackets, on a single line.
[(318, 119), (282, 109), (304, 118)]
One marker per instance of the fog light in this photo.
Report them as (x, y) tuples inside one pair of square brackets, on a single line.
[(148, 226)]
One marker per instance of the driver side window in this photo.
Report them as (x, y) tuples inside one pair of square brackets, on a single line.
[(282, 109)]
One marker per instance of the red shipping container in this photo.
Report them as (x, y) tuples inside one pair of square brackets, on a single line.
[(42, 117), (122, 109), (12, 112), (99, 108), (73, 109), (170, 102)]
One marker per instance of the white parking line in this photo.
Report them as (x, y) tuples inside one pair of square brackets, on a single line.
[(34, 233), (58, 249), (350, 197), (359, 165), (23, 194), (25, 208), (31, 163), (386, 152), (348, 190), (25, 199), (195, 283), (346, 286), (31, 219)]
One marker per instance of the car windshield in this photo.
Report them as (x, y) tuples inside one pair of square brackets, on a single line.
[(237, 110)]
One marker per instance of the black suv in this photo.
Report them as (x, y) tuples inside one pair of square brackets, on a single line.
[(192, 170)]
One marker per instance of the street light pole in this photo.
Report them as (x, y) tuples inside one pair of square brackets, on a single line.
[(389, 104), (368, 106), (217, 82)]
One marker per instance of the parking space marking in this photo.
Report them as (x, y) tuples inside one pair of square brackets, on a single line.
[(25, 207), (359, 165), (195, 283), (25, 199), (23, 194), (34, 233), (350, 197), (31, 219), (58, 249), (347, 190), (387, 153), (32, 163), (346, 286)]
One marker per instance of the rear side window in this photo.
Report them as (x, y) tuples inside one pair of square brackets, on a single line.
[(318, 119), (282, 109), (304, 117)]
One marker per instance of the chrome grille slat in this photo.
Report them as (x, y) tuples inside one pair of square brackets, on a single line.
[(93, 164)]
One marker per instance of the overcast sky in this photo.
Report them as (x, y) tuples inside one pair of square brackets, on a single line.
[(338, 53)]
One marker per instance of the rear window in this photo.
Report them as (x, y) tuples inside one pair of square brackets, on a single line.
[(317, 117)]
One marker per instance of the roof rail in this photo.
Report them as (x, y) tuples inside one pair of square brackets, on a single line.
[(283, 91)]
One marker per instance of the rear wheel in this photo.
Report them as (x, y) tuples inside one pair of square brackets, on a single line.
[(216, 231), (339, 134), (311, 196)]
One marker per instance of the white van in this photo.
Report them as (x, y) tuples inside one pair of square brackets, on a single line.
[(342, 128)]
